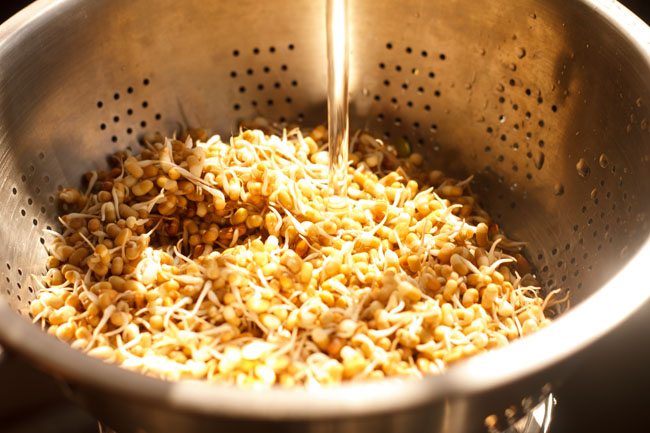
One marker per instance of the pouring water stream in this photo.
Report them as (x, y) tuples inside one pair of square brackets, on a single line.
[(337, 99)]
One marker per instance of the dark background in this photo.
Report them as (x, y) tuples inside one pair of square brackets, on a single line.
[(609, 393)]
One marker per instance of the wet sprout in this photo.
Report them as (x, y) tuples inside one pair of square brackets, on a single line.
[(220, 260)]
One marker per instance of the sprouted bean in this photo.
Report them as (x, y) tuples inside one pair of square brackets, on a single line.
[(204, 259)]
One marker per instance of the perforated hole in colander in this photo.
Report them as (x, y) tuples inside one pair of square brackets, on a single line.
[(35, 205), (269, 88), (409, 85), (127, 114)]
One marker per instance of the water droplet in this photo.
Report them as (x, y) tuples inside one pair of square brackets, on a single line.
[(583, 168), (558, 189), (514, 187), (365, 92), (594, 193), (539, 162), (521, 52), (603, 161)]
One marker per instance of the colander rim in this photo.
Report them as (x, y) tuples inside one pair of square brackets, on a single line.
[(615, 301)]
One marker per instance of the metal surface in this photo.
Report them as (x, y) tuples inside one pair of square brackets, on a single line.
[(537, 420), (545, 102)]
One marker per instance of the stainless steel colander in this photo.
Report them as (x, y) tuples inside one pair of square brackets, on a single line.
[(546, 103)]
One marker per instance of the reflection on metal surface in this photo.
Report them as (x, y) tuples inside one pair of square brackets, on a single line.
[(538, 420), (104, 429)]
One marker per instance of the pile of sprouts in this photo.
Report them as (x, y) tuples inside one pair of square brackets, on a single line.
[(203, 259)]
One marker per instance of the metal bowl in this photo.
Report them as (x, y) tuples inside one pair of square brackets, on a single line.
[(544, 102)]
